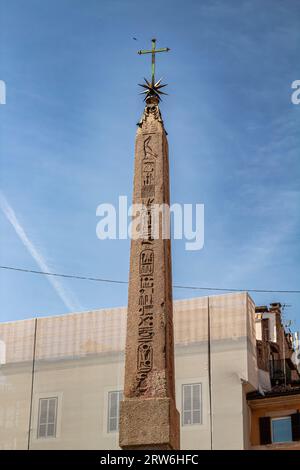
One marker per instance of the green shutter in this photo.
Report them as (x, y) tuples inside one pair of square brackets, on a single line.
[(296, 426), (265, 430)]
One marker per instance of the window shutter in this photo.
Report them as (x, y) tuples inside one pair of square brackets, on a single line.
[(114, 399), (51, 431), (296, 426), (191, 404), (187, 404), (265, 430), (47, 417)]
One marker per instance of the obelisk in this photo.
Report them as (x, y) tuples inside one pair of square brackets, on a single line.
[(148, 415)]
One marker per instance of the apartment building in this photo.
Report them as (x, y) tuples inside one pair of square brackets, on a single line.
[(61, 377)]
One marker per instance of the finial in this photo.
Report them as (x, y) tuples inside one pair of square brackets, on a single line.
[(153, 88)]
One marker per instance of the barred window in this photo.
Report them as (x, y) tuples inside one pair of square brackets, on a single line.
[(47, 417), (191, 404), (114, 399)]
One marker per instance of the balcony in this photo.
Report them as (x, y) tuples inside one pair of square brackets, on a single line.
[(280, 372)]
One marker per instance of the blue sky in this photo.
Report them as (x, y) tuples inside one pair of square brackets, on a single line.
[(67, 143)]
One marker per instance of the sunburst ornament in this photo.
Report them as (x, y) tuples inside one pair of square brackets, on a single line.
[(152, 89)]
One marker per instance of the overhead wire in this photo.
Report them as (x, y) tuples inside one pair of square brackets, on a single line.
[(176, 286)]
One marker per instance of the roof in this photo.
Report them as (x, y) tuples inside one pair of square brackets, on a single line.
[(278, 391)]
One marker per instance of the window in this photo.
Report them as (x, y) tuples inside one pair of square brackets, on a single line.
[(114, 399), (2, 352), (191, 404), (282, 429), (47, 417)]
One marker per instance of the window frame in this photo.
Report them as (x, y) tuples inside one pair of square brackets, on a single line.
[(191, 385), (280, 418), (41, 399), (120, 394)]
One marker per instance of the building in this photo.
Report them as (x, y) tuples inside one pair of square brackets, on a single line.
[(275, 348), (61, 377), (275, 407), (275, 419)]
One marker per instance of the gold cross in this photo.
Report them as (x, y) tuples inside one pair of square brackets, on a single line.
[(153, 51)]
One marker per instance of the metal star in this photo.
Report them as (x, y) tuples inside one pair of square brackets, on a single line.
[(152, 89)]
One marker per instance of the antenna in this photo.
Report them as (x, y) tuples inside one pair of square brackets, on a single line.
[(285, 324)]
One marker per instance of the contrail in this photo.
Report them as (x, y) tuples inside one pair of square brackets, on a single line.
[(12, 218)]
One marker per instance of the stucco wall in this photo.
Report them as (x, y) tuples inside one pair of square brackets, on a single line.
[(79, 359)]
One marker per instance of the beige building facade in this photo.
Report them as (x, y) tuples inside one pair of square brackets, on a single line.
[(61, 377)]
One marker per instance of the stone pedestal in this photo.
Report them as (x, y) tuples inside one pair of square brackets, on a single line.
[(149, 423)]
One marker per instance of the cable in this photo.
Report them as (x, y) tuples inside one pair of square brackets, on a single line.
[(71, 276), (98, 279)]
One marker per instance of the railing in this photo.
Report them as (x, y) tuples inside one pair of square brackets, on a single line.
[(280, 373)]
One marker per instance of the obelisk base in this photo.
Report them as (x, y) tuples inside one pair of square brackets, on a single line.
[(149, 423)]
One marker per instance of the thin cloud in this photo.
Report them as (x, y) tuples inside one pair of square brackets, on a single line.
[(12, 218), (268, 238)]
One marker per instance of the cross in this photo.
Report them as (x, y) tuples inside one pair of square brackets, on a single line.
[(153, 51)]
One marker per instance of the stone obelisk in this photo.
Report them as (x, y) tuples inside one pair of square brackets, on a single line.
[(148, 415)]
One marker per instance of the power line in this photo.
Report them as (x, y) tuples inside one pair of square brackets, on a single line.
[(71, 276), (114, 281)]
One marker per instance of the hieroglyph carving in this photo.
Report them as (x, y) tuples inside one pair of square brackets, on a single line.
[(146, 269)]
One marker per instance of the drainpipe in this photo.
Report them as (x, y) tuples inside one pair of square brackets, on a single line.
[(32, 384)]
